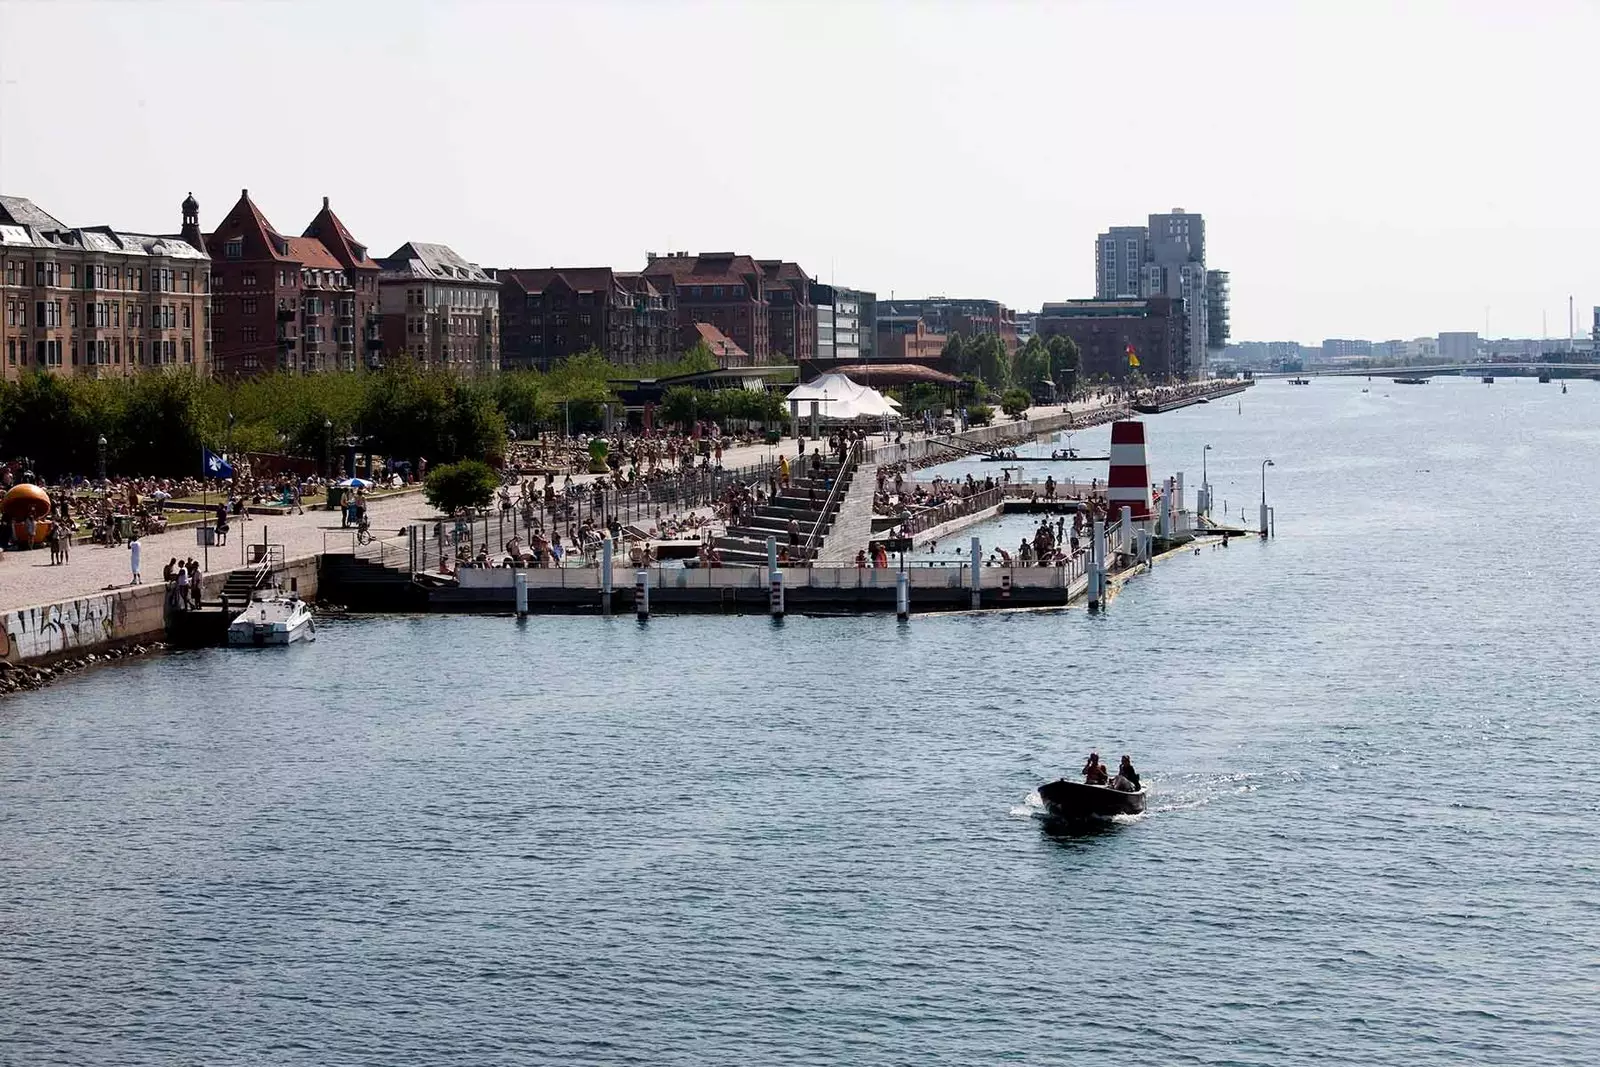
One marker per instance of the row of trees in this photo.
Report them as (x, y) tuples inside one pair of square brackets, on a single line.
[(985, 358), (157, 424)]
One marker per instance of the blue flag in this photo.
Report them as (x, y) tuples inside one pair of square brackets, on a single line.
[(214, 466)]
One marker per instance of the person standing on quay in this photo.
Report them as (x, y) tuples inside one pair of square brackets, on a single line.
[(134, 550)]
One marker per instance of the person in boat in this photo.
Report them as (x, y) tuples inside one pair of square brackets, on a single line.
[(1094, 772), (1127, 779)]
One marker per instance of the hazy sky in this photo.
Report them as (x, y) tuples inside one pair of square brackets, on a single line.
[(1365, 170)]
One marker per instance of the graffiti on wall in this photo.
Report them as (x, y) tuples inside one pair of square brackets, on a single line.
[(71, 625)]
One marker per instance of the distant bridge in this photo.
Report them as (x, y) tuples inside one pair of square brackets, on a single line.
[(1507, 368)]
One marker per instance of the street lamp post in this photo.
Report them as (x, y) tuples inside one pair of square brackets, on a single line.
[(1264, 465), (102, 443), (327, 448), (1205, 484)]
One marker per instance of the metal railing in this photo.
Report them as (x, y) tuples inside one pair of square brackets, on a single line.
[(847, 466), (954, 508)]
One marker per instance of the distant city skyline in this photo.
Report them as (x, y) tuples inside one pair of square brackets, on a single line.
[(1344, 204)]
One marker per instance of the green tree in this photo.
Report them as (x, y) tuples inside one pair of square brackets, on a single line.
[(979, 414), (1032, 365), (955, 355), (990, 361), (1066, 362), (1016, 401), (923, 397), (470, 483)]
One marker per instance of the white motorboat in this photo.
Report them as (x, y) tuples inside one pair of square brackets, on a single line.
[(274, 619)]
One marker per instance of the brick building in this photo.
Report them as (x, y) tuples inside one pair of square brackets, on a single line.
[(727, 290), (1157, 328), (550, 313), (721, 345), (907, 339), (302, 304), (791, 311), (969, 318), (438, 310), (97, 301)]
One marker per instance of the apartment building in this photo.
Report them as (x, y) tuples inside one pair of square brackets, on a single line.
[(550, 313), (97, 301), (438, 310), (303, 304)]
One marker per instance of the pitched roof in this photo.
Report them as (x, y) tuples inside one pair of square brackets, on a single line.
[(327, 228), (778, 270), (635, 282), (707, 268), (245, 215), (20, 211), (416, 259), (894, 373), (721, 344), (313, 254), (578, 279)]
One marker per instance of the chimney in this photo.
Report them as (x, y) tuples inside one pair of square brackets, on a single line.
[(324, 203), (244, 194)]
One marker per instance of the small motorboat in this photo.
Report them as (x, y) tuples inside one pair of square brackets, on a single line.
[(1488, 379), (274, 619), (1078, 800)]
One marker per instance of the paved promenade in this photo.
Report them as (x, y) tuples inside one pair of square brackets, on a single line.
[(27, 579)]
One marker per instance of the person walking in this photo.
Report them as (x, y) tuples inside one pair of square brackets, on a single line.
[(134, 551), (194, 582), (183, 587)]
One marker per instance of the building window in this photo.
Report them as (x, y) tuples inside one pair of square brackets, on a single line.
[(234, 249), (184, 282), (188, 350), (248, 305), (72, 314), (187, 317), (247, 278)]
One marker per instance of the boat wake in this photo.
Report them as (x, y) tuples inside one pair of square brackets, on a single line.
[(1170, 793)]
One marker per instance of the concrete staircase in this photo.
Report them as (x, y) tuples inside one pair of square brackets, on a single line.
[(852, 525), (746, 544)]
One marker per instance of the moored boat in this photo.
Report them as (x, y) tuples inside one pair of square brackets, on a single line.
[(275, 619), (1077, 800)]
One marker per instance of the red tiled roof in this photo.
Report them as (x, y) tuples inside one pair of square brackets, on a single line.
[(245, 215), (578, 279), (705, 269), (346, 250), (721, 344), (312, 254), (778, 270)]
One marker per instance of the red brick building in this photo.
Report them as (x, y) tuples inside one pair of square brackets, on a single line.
[(725, 289), (550, 313), (792, 313), (1156, 327), (907, 339), (728, 353), (302, 304)]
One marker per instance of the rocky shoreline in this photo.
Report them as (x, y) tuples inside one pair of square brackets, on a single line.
[(26, 677)]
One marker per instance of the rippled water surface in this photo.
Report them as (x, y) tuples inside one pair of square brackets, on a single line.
[(716, 840)]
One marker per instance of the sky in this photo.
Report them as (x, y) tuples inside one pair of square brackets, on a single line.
[(1375, 170)]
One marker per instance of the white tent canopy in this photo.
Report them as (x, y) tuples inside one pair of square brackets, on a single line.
[(840, 399)]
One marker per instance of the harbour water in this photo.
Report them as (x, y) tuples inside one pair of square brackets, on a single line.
[(705, 840)]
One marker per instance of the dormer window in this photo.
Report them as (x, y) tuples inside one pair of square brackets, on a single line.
[(234, 249)]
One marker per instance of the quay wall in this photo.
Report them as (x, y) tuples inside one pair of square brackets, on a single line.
[(113, 618)]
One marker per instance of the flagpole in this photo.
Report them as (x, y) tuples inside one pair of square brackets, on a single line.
[(205, 512)]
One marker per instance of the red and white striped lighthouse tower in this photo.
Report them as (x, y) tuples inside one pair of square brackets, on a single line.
[(1129, 482)]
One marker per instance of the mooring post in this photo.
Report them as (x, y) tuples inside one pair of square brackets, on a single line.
[(774, 579), (1097, 582), (1177, 504), (520, 582), (1130, 536), (902, 593), (975, 560), (641, 594), (605, 575)]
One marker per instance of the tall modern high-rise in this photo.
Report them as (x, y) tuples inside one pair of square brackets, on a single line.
[(1119, 263), (1175, 266), (1166, 257)]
